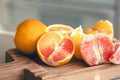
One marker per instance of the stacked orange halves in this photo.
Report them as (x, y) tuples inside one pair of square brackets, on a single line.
[(57, 43)]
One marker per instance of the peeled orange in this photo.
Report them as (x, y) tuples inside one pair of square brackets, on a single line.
[(55, 48), (66, 29), (104, 26), (77, 36), (90, 31), (27, 34)]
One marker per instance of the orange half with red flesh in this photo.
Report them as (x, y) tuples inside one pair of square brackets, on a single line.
[(55, 48)]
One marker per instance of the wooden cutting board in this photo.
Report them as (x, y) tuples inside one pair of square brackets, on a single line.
[(22, 67)]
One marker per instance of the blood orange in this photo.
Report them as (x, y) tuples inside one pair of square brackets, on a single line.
[(55, 48)]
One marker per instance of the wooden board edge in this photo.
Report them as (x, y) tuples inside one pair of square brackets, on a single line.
[(105, 73)]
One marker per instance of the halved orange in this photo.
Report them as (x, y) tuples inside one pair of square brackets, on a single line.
[(55, 48), (61, 27)]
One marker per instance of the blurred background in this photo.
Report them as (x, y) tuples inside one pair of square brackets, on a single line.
[(70, 12)]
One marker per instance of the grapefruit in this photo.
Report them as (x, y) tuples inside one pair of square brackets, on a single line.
[(27, 34), (115, 57), (106, 47), (96, 49), (89, 50), (66, 29), (55, 48)]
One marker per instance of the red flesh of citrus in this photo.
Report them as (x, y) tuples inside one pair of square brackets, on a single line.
[(96, 49), (55, 48), (115, 57)]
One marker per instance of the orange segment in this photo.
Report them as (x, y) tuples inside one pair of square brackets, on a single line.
[(55, 48), (89, 50), (27, 34), (61, 27), (77, 36)]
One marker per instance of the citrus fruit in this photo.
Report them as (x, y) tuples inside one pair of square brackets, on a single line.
[(115, 57), (55, 48), (90, 31), (89, 50), (96, 49), (27, 34), (106, 47), (104, 26), (61, 27), (77, 36)]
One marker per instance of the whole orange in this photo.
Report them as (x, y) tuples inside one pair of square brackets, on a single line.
[(27, 34)]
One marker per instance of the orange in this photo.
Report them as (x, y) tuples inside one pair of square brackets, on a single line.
[(27, 34), (104, 26), (77, 36), (55, 48), (61, 27), (90, 31)]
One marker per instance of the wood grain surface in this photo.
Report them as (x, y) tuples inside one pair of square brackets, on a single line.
[(22, 67)]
